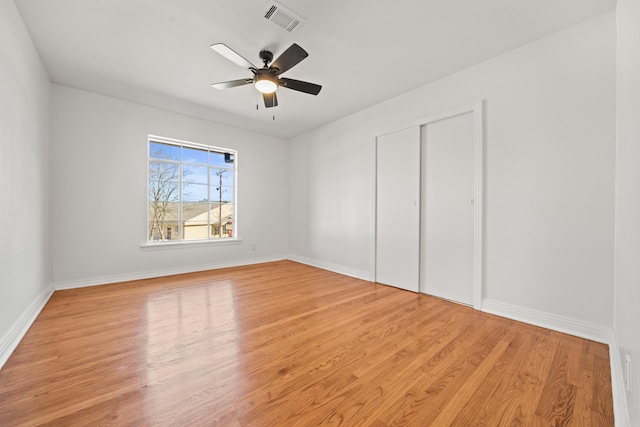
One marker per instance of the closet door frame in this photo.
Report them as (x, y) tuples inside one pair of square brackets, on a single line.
[(478, 191)]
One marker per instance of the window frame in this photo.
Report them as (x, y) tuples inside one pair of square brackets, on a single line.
[(181, 241)]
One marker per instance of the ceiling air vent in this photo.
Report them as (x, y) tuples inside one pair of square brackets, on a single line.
[(283, 17)]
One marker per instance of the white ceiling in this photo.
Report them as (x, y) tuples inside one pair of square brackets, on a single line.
[(156, 52)]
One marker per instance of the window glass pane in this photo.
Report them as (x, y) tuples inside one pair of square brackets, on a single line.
[(195, 220), (221, 159), (221, 220), (163, 232), (221, 185), (194, 155), (222, 177), (158, 150), (194, 192), (195, 211), (195, 174), (164, 181), (163, 220), (221, 194)]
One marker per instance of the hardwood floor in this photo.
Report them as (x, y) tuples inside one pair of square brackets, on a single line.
[(284, 344)]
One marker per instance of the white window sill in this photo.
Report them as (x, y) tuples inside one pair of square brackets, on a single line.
[(152, 246)]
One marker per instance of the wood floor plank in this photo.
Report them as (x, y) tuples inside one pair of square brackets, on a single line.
[(601, 404), (481, 408), (558, 399), (525, 383), (464, 394), (285, 344)]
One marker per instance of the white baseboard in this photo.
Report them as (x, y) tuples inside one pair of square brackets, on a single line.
[(567, 325), (117, 278), (12, 338), (336, 268)]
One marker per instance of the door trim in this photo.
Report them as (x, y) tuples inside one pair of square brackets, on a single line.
[(478, 190)]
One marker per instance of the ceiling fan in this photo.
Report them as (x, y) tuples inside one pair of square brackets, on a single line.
[(267, 78)]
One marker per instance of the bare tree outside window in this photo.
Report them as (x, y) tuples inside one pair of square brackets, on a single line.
[(164, 192)]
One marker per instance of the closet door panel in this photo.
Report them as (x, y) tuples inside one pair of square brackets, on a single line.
[(398, 209), (447, 209)]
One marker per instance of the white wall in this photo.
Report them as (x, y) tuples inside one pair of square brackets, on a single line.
[(99, 190), (627, 285), (550, 147), (25, 272)]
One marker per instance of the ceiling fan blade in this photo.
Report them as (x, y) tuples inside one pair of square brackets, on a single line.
[(300, 86), (270, 99), (232, 83), (290, 57), (232, 55)]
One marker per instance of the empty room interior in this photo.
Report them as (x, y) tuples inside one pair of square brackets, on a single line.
[(320, 213)]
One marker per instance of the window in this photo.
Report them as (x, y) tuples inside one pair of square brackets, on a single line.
[(191, 191)]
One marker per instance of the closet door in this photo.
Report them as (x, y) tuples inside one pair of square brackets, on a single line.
[(398, 209), (447, 227)]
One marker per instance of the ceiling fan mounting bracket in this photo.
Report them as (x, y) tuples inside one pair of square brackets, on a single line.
[(266, 57)]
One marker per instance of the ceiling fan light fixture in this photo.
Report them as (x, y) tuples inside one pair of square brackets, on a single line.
[(266, 83)]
